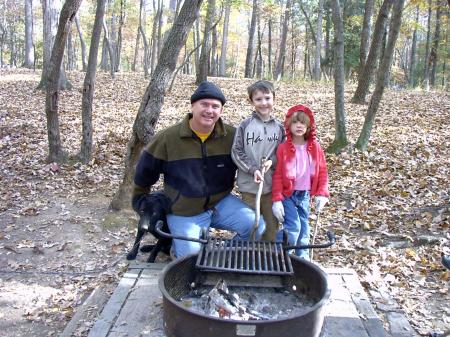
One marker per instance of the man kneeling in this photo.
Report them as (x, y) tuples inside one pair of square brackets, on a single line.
[(194, 157)]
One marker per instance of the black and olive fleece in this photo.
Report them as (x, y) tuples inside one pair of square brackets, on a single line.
[(196, 175)]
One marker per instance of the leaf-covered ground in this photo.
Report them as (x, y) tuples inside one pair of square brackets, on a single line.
[(389, 207)]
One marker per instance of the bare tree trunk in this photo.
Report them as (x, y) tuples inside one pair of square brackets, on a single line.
[(365, 34), (146, 52), (306, 51), (223, 50), (142, 33), (136, 50), (404, 62), (197, 41), (160, 24), (340, 135), (104, 62), (112, 42), (70, 52), (85, 154), (236, 58), (282, 51), (248, 72), (269, 51), (293, 51), (120, 37), (50, 26), (12, 47), (412, 65), (154, 38), (426, 75), (185, 62), (213, 68), (259, 60), (2, 42), (83, 44), (383, 74), (153, 100), (366, 75), (29, 47), (202, 74), (56, 153), (328, 53), (317, 69), (444, 75), (308, 21), (109, 48), (435, 46), (50, 10)]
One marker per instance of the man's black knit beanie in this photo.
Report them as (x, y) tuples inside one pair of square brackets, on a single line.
[(208, 90)]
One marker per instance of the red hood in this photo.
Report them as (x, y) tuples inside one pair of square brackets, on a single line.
[(312, 132)]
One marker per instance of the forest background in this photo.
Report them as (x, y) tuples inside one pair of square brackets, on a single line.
[(387, 149)]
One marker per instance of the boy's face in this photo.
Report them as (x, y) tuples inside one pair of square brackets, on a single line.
[(263, 103)]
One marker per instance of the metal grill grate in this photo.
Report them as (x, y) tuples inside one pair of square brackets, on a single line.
[(250, 257)]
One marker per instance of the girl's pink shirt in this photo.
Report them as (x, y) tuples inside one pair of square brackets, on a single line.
[(303, 169)]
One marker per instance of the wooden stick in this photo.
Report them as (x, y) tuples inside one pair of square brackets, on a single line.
[(258, 203), (316, 226)]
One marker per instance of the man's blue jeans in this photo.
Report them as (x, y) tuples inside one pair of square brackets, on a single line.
[(296, 213), (230, 213)]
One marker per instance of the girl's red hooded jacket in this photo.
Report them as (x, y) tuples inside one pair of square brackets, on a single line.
[(285, 171)]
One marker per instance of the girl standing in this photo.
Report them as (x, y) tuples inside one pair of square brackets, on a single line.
[(300, 175)]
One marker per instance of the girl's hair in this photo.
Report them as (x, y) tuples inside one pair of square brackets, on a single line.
[(302, 117), (263, 86)]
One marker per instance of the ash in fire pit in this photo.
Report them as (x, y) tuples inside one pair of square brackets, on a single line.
[(246, 303)]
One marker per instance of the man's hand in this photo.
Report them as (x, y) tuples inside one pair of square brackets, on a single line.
[(278, 211), (321, 201)]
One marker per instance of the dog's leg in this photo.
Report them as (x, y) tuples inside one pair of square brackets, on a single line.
[(154, 252), (134, 251), (166, 246)]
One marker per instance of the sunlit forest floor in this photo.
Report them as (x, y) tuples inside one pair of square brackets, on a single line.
[(389, 205)]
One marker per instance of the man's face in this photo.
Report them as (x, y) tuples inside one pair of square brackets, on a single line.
[(205, 113)]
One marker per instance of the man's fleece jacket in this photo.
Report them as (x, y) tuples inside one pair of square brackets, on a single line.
[(196, 175)]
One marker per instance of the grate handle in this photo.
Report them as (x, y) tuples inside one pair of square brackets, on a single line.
[(331, 241), (158, 229)]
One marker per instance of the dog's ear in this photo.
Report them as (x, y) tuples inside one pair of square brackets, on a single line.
[(164, 201)]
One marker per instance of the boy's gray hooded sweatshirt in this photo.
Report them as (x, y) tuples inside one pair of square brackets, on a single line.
[(255, 139)]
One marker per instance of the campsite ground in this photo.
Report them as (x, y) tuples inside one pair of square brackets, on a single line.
[(389, 208)]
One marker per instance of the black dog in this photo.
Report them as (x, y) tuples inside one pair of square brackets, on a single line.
[(152, 208)]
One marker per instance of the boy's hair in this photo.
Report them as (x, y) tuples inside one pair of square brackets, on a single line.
[(264, 86), (302, 117)]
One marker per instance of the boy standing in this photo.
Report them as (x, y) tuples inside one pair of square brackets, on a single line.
[(257, 139)]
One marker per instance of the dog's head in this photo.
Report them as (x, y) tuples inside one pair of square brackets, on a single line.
[(154, 208)]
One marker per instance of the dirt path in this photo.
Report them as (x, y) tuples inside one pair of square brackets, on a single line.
[(50, 262)]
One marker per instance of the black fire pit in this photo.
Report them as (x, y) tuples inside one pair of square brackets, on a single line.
[(178, 277)]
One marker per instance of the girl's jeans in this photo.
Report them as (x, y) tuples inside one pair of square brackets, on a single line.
[(230, 213), (296, 213)]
